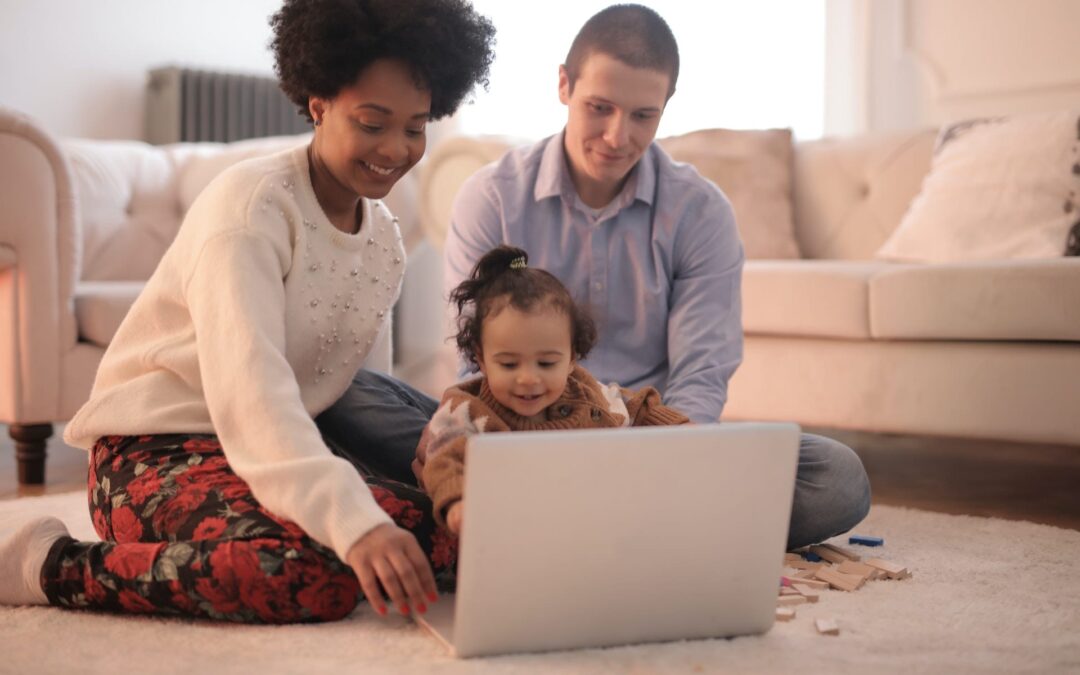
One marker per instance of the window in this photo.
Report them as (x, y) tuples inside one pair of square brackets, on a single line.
[(744, 65)]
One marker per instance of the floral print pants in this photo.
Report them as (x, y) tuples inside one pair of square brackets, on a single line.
[(183, 535)]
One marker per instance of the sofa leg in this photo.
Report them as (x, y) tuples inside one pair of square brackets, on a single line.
[(30, 440)]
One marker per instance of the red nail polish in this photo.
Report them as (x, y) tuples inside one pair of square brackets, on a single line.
[(432, 597), (404, 609), (381, 611), (421, 608)]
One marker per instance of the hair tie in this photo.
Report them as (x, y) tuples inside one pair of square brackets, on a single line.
[(518, 263)]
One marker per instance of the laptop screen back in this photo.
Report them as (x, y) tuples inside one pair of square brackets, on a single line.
[(603, 537)]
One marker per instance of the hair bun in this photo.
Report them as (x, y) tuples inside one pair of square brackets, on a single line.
[(499, 261)]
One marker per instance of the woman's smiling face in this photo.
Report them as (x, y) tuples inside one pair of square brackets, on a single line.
[(374, 130)]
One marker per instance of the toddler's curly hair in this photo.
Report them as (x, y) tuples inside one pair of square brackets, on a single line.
[(503, 278)]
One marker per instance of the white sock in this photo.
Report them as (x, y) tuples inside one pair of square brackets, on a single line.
[(22, 555)]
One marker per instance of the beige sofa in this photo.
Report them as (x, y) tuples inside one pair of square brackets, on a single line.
[(839, 339), (833, 340), (83, 224)]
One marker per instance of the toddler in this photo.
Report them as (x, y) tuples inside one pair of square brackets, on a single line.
[(526, 334)]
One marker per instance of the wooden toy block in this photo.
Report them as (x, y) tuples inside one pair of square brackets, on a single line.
[(847, 553), (893, 570), (816, 584), (827, 625), (792, 556), (828, 554), (785, 613), (865, 540), (810, 594), (857, 568), (803, 565), (786, 600), (789, 591), (845, 582)]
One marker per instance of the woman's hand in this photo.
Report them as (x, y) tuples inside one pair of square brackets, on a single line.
[(453, 517), (391, 556)]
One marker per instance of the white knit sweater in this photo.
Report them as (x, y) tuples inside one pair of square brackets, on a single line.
[(254, 322)]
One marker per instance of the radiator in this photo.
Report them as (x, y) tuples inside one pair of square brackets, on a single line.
[(199, 105)]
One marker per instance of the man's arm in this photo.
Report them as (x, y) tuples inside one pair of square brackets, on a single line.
[(476, 227), (705, 341)]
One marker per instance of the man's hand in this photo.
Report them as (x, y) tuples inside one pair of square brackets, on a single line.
[(391, 556), (453, 517)]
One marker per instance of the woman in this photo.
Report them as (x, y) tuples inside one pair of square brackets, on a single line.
[(210, 485)]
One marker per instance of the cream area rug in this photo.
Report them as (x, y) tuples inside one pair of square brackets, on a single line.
[(987, 596)]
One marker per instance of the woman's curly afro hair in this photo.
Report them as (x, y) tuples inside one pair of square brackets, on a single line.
[(322, 46)]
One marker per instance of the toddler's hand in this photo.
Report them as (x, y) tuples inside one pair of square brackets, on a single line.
[(453, 518)]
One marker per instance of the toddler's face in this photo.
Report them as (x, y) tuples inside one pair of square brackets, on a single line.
[(526, 358)]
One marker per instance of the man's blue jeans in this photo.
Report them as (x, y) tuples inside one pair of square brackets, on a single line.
[(377, 424)]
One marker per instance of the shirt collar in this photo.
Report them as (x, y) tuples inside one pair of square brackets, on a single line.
[(553, 177)]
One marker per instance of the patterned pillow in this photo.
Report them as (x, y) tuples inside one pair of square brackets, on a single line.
[(998, 188), (754, 169)]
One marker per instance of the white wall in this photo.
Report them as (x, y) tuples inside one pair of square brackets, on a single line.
[(905, 64), (79, 66)]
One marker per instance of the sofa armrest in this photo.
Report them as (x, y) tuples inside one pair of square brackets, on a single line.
[(38, 231)]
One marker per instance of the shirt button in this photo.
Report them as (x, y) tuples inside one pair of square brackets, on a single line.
[(598, 286), (564, 410), (596, 415)]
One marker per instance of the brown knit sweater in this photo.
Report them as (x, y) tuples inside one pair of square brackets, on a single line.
[(469, 408)]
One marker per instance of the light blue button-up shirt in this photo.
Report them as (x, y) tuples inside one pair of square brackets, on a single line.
[(660, 266)]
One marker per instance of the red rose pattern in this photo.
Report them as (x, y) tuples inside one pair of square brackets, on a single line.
[(144, 487), (129, 561), (210, 528), (165, 548), (135, 603), (126, 526)]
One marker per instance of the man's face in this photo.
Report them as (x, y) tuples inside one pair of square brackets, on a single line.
[(614, 110)]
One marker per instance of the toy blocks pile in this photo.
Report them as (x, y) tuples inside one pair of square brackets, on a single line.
[(808, 571)]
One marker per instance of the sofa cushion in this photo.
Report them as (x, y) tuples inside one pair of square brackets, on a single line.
[(100, 306), (133, 196), (991, 300), (753, 168), (127, 207), (997, 189), (851, 193), (815, 298)]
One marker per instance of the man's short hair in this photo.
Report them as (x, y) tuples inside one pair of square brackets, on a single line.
[(633, 34)]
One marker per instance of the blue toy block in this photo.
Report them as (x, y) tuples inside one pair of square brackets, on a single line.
[(811, 557), (864, 540)]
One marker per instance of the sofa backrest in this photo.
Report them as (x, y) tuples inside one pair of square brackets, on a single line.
[(851, 193), (132, 196)]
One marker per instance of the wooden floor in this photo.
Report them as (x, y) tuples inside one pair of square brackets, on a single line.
[(1018, 481)]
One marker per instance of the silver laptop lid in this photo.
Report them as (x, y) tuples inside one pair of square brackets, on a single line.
[(604, 537)]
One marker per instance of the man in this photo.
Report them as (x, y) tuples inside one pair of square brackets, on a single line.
[(650, 246)]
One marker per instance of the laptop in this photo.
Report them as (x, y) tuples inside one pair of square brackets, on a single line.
[(619, 536)]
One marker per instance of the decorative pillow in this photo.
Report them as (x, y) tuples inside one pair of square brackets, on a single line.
[(997, 188), (753, 168)]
